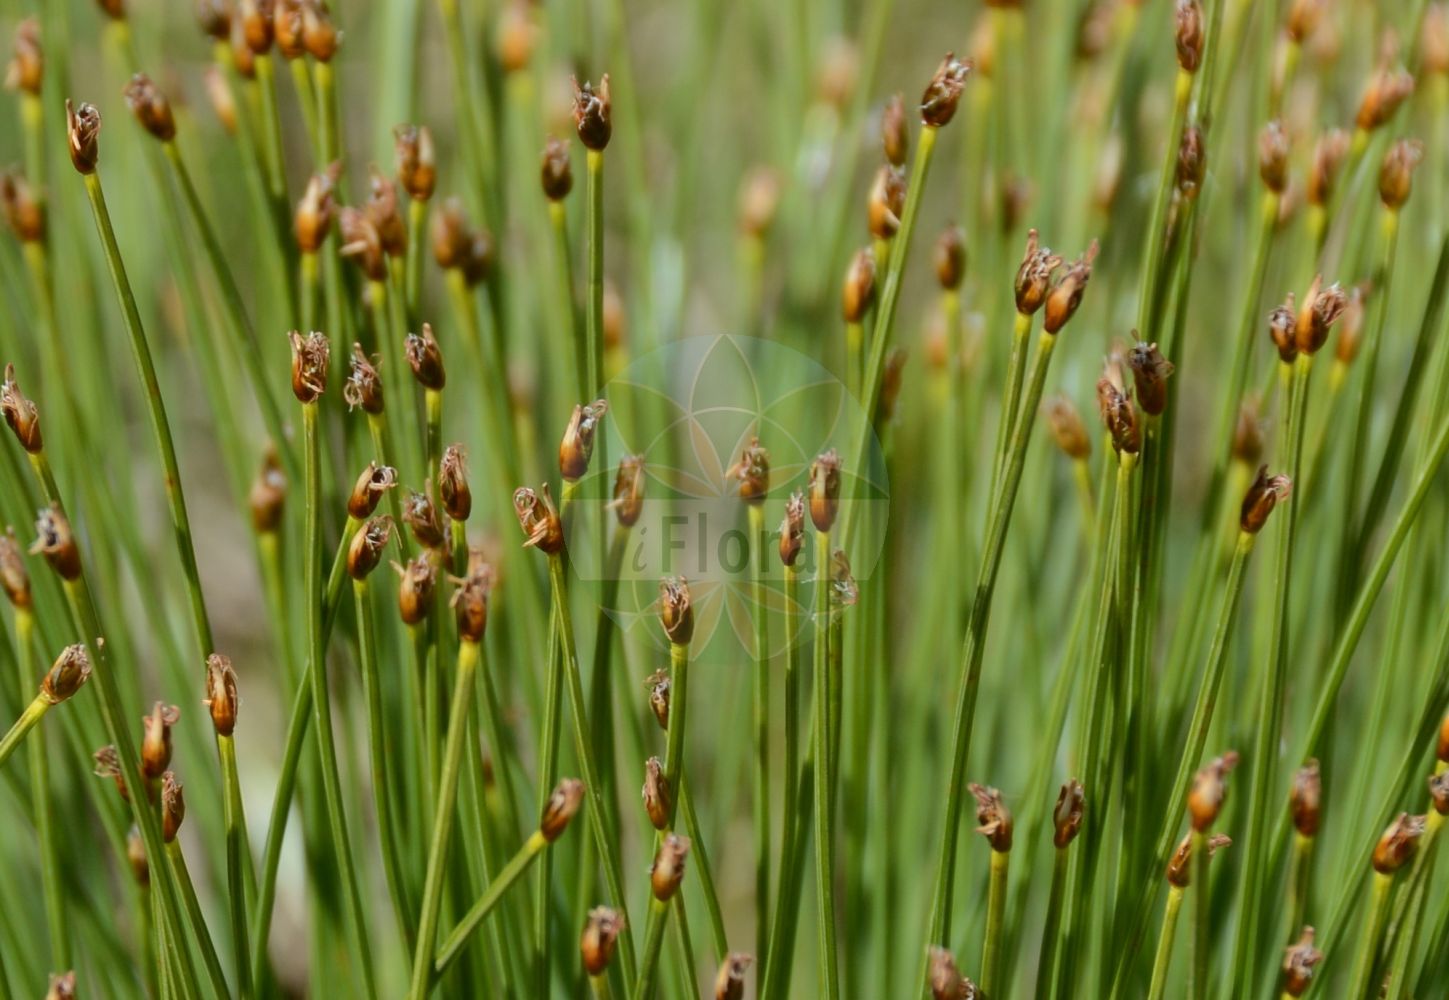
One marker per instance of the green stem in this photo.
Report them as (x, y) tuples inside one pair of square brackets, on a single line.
[(40, 801), (468, 655), (760, 547), (824, 819), (209, 956), (1201, 916), (237, 862), (595, 314), (995, 918), (23, 725), (1051, 927), (1373, 934), (1163, 961), (658, 917), (453, 946)]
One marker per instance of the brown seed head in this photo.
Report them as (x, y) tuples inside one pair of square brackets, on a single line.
[(453, 490), (1108, 180), (221, 697), (173, 806), (1304, 798), (892, 378), (752, 472), (1396, 176), (947, 983), (1398, 843), (315, 211), (792, 529), (242, 56), (555, 171), (311, 356), (1265, 493), (425, 519), (676, 610), (1321, 309), (825, 489), (1439, 792), (62, 986), (1034, 276), (668, 868), (71, 669), (839, 71), (287, 29), (729, 982), (214, 18), (1149, 373), (1191, 162), (367, 546), (53, 539), (1119, 416), (108, 765), (156, 738), (382, 208), (1248, 434), (1387, 89), (857, 294), (426, 359), (943, 93), (136, 857), (20, 413), (257, 24), (362, 242), (577, 446), (26, 71), (416, 162), (1442, 749), (993, 817), (950, 257), (759, 201), (601, 934), (372, 483), (268, 494), (1273, 150), (1065, 425), (417, 584), (895, 133), (14, 577), (886, 202), (593, 113), (614, 319), (538, 519), (1283, 328), (1328, 157), (1189, 35), (658, 795), (844, 592), (83, 126), (1350, 328), (451, 234), (1066, 293), (561, 806), (218, 92), (1067, 816), (318, 32), (659, 685), (364, 385), (628, 500), (1434, 39), (470, 599), (1209, 790), (1299, 959), (1303, 19), (517, 36), (1179, 866), (24, 212)]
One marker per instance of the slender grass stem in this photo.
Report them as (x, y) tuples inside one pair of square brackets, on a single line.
[(654, 939), (1052, 925), (22, 726), (547, 776), (209, 957), (1373, 934), (468, 656), (760, 548), (777, 954), (829, 984), (321, 698), (699, 854), (238, 862), (1163, 962), (456, 941), (40, 803), (995, 918), (1015, 374), (1201, 917), (594, 316)]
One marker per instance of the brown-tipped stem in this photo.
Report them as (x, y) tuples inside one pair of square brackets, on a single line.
[(1299, 960), (995, 826)]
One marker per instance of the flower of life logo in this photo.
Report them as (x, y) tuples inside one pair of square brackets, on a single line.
[(690, 410)]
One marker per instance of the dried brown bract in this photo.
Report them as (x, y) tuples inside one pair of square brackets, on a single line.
[(1209, 791), (55, 541), (1299, 959), (417, 585), (1189, 36), (470, 600), (1150, 371), (318, 32), (156, 738), (287, 29), (676, 610), (372, 483), (1265, 493), (657, 793), (1396, 176), (538, 519), (759, 201), (943, 93), (792, 529), (1283, 328), (667, 871), (268, 494), (1387, 89), (1350, 332), (1179, 866), (1320, 310), (136, 857), (425, 358), (950, 257), (1066, 293), (1191, 162), (453, 489), (367, 547), (825, 490), (1119, 416), (362, 243), (886, 202), (315, 211), (416, 162), (26, 71), (992, 817), (1303, 19), (311, 358), (560, 808), (83, 129), (1439, 792), (577, 446), (221, 697), (382, 208), (256, 22), (14, 577), (593, 114), (1328, 156), (71, 669), (21, 413), (1273, 151), (1248, 434), (108, 765), (729, 982), (425, 519), (752, 472), (364, 385), (895, 133), (601, 935), (857, 293), (659, 685), (555, 171), (947, 983), (1034, 276), (628, 500), (24, 212), (1068, 813), (173, 806), (1398, 844), (1065, 425)]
